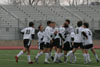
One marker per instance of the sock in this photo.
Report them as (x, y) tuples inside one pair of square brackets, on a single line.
[(29, 58), (46, 57), (61, 55), (74, 58), (39, 54), (50, 54), (96, 56), (56, 56), (69, 53), (20, 53), (88, 56), (71, 58), (85, 57)]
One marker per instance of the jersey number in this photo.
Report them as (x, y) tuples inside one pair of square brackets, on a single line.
[(77, 31), (27, 31), (89, 33)]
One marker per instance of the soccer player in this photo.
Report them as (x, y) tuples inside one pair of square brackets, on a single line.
[(47, 40), (68, 39), (58, 42), (54, 36), (27, 38), (40, 42), (77, 39), (54, 32), (88, 42)]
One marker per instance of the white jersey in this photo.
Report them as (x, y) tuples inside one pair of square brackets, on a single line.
[(47, 34), (61, 30), (28, 33), (89, 35), (54, 30), (78, 35), (40, 37), (68, 32)]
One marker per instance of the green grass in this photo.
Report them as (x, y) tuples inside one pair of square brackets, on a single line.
[(7, 60)]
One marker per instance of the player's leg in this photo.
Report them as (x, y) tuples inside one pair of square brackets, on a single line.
[(22, 51), (60, 54), (56, 56), (41, 47), (88, 56), (28, 56), (47, 50), (75, 47), (19, 54), (85, 56), (66, 49), (28, 52), (72, 56), (50, 53), (65, 57), (96, 56)]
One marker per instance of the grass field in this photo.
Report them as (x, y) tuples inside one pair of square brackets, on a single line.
[(7, 60)]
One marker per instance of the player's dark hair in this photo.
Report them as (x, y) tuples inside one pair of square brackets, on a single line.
[(31, 24), (79, 23), (49, 22), (39, 27), (65, 25), (53, 22), (67, 20), (86, 25)]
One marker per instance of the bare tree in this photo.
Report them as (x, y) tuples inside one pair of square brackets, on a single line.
[(31, 2), (20, 2)]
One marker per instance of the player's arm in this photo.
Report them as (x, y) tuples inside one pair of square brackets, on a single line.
[(33, 33), (61, 36), (40, 37), (84, 34), (72, 36), (22, 31), (32, 36)]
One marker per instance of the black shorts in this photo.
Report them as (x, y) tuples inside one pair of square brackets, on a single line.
[(27, 43), (76, 45), (67, 46), (57, 43), (88, 46), (47, 45), (51, 45), (41, 47)]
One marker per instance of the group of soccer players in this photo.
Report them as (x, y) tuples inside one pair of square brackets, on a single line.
[(64, 40)]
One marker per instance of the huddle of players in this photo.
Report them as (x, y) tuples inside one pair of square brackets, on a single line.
[(65, 38)]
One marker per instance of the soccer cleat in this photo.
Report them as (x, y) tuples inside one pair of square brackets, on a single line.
[(16, 59), (52, 58), (60, 61), (85, 62), (98, 60), (30, 62), (56, 62), (36, 60), (46, 62), (65, 59)]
